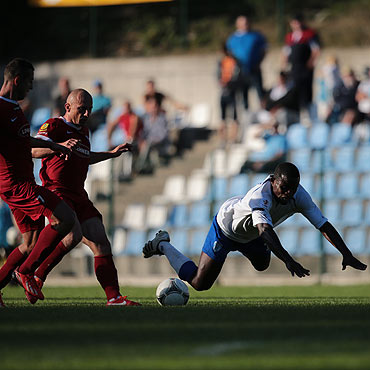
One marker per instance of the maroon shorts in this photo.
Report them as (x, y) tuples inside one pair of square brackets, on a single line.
[(30, 203), (80, 203)]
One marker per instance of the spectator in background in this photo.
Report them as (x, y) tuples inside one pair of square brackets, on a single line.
[(129, 122), (101, 105), (363, 95), (155, 145), (249, 48), (60, 100), (301, 50), (5, 223), (228, 77), (344, 108), (274, 152)]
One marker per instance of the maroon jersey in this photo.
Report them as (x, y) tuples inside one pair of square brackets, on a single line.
[(56, 172), (15, 148)]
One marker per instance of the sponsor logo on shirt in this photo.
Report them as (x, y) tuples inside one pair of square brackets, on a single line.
[(13, 119), (24, 131), (44, 127), (82, 151)]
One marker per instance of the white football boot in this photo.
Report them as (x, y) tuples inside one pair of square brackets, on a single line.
[(152, 246)]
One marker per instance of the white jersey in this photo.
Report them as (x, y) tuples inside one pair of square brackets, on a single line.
[(239, 216)]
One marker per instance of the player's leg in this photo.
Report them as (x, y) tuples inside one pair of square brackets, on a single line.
[(95, 237), (258, 253)]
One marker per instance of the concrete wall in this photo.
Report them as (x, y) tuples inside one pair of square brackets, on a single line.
[(189, 79)]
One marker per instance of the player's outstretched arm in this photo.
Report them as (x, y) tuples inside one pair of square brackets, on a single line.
[(332, 235), (42, 148), (96, 157), (271, 239)]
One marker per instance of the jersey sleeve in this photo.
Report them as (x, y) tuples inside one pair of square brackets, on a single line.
[(307, 207), (48, 131), (260, 205)]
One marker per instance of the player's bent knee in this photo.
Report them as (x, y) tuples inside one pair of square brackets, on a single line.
[(261, 266)]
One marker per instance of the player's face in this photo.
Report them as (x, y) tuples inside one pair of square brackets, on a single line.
[(284, 189), (80, 110), (23, 84)]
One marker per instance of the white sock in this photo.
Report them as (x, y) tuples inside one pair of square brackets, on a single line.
[(175, 257)]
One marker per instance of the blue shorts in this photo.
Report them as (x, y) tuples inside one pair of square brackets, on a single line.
[(217, 245)]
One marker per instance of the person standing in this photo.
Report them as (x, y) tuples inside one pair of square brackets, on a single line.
[(301, 50), (28, 202), (66, 179), (249, 48)]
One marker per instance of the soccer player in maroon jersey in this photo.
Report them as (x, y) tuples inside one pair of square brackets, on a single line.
[(28, 202), (66, 178)]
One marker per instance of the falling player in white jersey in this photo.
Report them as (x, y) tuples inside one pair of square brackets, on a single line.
[(246, 224)]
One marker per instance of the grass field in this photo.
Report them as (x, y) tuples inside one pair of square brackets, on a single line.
[(299, 327)]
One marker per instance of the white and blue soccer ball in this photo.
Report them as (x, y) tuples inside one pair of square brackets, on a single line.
[(172, 292)]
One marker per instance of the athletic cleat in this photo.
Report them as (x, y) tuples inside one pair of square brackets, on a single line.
[(31, 298), (1, 301), (122, 301), (29, 284), (152, 246)]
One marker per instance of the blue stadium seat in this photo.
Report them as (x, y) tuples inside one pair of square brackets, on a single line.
[(197, 238), (341, 133), (178, 216), (309, 242), (330, 185), (301, 158), (179, 239), (364, 188), (297, 136), (363, 158), (356, 240), (308, 182), (347, 185), (332, 210), (135, 242), (39, 116), (257, 178), (344, 159), (199, 214), (322, 160), (352, 212), (296, 220), (288, 237), (366, 213), (239, 185), (99, 141), (218, 189), (319, 135)]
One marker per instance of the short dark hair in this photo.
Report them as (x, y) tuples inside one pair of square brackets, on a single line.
[(17, 67), (286, 169)]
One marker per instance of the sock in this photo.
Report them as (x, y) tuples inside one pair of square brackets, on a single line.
[(183, 265), (51, 261), (48, 239), (106, 274), (15, 259)]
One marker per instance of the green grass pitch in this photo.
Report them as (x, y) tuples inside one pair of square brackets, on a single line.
[(296, 327)]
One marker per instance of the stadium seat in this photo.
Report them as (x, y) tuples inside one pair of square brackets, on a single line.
[(352, 212), (332, 211), (364, 191), (330, 185), (235, 159), (297, 136), (319, 135), (199, 214), (197, 238), (119, 241), (99, 141), (309, 242), (363, 158), (196, 187), (134, 242), (39, 117), (216, 163), (341, 133), (356, 240), (156, 216), (344, 159), (347, 185), (258, 178), (179, 239), (308, 182), (239, 185), (288, 237), (218, 189), (301, 158), (178, 216), (200, 115), (173, 191), (134, 217), (296, 220), (321, 160), (366, 213)]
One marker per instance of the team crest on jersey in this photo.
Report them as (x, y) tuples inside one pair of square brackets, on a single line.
[(265, 202), (44, 127)]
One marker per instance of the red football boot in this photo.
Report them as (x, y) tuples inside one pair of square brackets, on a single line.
[(29, 284), (122, 301), (31, 298)]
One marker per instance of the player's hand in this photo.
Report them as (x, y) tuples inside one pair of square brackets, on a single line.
[(122, 148), (353, 262), (70, 145), (296, 268), (61, 149)]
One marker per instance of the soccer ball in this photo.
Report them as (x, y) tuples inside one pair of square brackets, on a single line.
[(172, 292)]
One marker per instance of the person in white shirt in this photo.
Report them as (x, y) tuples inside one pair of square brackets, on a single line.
[(246, 224)]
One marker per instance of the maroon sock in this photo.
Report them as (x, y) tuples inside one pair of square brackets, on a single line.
[(106, 274), (51, 261), (46, 243), (15, 259)]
